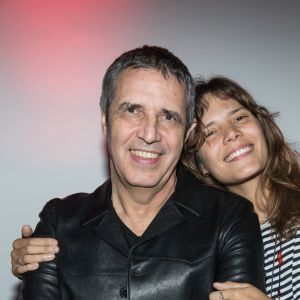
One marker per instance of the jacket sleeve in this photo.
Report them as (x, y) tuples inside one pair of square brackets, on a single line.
[(241, 257), (43, 282)]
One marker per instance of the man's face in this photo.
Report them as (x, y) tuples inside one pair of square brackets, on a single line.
[(146, 130)]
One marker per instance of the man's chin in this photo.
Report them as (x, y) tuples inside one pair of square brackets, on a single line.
[(144, 184)]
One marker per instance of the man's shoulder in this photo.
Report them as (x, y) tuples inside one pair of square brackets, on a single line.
[(78, 202), (212, 196), (199, 196)]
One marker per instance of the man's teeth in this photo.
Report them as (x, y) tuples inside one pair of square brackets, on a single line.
[(144, 154), (237, 153)]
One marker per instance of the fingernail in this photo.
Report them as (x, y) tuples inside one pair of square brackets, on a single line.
[(55, 249), (49, 256), (33, 266)]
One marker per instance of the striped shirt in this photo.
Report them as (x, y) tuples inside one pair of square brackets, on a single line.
[(282, 265)]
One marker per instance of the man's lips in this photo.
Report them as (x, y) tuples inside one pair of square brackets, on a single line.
[(239, 152), (144, 154)]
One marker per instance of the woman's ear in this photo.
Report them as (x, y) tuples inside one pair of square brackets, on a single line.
[(203, 169), (205, 172)]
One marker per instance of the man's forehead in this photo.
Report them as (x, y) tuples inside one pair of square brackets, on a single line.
[(139, 85), (147, 72)]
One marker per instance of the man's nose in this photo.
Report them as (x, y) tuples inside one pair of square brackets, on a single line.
[(149, 130)]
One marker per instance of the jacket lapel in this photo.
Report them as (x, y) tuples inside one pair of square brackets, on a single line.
[(99, 217), (168, 217), (111, 232)]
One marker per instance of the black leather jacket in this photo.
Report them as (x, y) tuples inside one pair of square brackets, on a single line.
[(200, 236)]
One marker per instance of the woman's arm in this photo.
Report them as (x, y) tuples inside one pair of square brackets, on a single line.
[(28, 252), (236, 291), (42, 283)]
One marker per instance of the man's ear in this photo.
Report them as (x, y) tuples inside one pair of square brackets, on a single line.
[(103, 124), (191, 128)]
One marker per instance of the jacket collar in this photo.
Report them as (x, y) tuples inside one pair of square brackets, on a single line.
[(98, 212), (99, 216), (98, 204), (189, 192), (186, 195)]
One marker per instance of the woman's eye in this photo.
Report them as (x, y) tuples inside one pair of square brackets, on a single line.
[(240, 118), (210, 133)]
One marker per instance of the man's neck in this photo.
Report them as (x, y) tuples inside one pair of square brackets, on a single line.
[(137, 207)]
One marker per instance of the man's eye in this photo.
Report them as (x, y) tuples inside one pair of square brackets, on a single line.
[(131, 109), (169, 117)]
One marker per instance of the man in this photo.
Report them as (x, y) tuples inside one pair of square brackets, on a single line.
[(151, 231)]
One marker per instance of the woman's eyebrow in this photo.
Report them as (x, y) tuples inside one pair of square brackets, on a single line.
[(230, 113)]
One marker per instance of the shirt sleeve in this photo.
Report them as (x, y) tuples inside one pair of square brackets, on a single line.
[(241, 257)]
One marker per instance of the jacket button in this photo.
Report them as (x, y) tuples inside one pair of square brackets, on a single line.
[(123, 292)]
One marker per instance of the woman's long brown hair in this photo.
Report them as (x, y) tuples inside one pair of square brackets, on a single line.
[(281, 176)]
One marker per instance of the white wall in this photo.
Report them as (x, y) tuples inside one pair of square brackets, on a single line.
[(53, 57)]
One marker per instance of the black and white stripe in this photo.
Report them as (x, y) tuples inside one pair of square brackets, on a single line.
[(287, 276)]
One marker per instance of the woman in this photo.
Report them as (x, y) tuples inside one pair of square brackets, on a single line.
[(238, 147)]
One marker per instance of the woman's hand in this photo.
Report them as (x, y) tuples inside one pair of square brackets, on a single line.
[(236, 291), (28, 252)]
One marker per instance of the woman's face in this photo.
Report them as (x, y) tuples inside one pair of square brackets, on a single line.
[(235, 149)]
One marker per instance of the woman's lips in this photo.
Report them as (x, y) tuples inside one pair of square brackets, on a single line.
[(239, 152)]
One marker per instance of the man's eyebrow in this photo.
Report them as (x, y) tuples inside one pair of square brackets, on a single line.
[(174, 114), (126, 105), (230, 113)]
